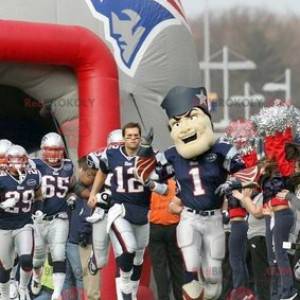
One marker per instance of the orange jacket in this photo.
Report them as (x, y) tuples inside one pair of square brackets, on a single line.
[(159, 207)]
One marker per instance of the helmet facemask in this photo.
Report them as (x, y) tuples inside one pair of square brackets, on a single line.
[(53, 155)]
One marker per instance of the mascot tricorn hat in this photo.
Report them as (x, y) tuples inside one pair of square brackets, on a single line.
[(181, 99)]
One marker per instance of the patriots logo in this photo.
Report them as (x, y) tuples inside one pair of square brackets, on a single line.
[(131, 25)]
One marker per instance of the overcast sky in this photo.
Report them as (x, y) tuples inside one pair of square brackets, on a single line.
[(194, 7)]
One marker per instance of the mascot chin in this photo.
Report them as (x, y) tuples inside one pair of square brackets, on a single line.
[(200, 164)]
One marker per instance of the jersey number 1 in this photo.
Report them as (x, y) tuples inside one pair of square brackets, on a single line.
[(198, 189)]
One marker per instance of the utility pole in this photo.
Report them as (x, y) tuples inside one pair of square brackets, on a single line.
[(226, 66)]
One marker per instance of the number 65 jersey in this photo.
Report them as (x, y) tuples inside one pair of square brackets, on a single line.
[(23, 191), (56, 183)]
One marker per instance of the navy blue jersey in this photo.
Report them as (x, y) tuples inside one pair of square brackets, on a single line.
[(125, 188), (198, 178), (24, 192), (55, 185)]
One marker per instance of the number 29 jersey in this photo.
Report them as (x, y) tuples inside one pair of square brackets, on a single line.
[(23, 192), (56, 183)]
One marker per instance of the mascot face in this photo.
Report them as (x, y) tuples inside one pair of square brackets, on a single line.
[(192, 133)]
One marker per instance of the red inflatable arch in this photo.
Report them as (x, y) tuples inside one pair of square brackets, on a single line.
[(97, 76), (87, 55)]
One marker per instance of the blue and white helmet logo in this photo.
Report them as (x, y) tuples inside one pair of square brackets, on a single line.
[(131, 25)]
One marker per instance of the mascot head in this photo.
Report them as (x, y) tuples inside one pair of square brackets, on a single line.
[(189, 120)]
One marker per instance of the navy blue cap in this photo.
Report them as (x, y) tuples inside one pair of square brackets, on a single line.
[(180, 100)]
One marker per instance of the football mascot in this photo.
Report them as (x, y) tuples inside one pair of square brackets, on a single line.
[(200, 164)]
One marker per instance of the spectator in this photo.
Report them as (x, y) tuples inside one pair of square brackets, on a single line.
[(163, 248), (91, 283)]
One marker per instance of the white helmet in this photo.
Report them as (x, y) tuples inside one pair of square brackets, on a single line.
[(17, 159), (115, 137), (53, 148), (4, 146)]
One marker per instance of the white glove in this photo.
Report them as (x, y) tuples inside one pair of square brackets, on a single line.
[(102, 198), (8, 203), (38, 216)]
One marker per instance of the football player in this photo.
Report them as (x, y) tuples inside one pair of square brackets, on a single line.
[(127, 219), (51, 220), (19, 186), (4, 146), (99, 256)]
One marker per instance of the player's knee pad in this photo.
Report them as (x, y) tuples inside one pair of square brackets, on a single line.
[(193, 291), (212, 291), (4, 275), (184, 238), (125, 261), (58, 252), (59, 266), (138, 257), (213, 275), (25, 262), (217, 247)]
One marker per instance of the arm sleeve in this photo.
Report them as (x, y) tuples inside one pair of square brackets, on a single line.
[(103, 162)]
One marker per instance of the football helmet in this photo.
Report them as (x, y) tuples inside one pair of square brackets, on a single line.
[(17, 159), (4, 146), (115, 137), (53, 148)]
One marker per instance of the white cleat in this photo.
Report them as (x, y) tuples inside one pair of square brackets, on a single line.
[(24, 294), (13, 289)]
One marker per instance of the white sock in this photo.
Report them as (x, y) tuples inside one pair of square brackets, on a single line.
[(24, 278), (58, 283), (37, 274), (4, 290), (13, 272)]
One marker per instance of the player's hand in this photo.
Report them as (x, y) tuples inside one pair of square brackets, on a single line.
[(38, 216), (71, 200), (143, 168), (8, 203), (102, 198), (227, 187), (96, 216)]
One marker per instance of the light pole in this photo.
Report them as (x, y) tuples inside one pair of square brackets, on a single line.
[(246, 99), (226, 66), (276, 86)]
